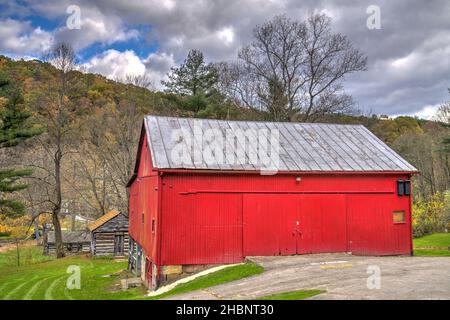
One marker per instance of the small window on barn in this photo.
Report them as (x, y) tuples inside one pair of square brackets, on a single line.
[(399, 216), (407, 188), (142, 217), (153, 225), (400, 187)]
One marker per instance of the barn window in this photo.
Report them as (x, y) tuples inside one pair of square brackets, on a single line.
[(407, 187), (403, 187), (153, 225), (399, 216), (142, 217), (400, 187)]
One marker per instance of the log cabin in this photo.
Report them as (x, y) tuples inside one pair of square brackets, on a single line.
[(110, 235), (75, 242)]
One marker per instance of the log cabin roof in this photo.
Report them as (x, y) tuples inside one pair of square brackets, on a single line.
[(71, 236), (103, 219)]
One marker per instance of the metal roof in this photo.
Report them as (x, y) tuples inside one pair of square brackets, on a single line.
[(301, 146), (80, 236)]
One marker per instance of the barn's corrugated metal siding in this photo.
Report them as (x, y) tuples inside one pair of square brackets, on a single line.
[(302, 146), (217, 218)]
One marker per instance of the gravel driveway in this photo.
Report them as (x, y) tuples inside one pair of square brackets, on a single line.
[(343, 276)]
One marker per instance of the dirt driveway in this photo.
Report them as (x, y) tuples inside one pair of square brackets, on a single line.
[(342, 276)]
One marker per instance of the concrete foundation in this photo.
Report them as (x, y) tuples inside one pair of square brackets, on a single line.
[(169, 274)]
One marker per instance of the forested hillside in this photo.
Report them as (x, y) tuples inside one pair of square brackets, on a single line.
[(103, 122)]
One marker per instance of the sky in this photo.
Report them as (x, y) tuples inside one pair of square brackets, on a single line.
[(407, 42)]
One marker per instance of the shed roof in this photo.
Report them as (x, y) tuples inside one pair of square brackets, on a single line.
[(103, 219), (71, 236), (302, 147)]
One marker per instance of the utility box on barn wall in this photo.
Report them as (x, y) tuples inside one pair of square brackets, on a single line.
[(335, 190)]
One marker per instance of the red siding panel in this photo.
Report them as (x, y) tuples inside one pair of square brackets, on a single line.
[(270, 224), (218, 218), (294, 224), (371, 228), (322, 223), (202, 229)]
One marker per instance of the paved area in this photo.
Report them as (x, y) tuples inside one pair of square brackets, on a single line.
[(342, 276)]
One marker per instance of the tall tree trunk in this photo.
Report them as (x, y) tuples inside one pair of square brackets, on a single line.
[(58, 235), (57, 207), (17, 252)]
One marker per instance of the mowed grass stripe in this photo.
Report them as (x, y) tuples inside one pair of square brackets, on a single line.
[(48, 293), (29, 295), (18, 288), (7, 283), (67, 295)]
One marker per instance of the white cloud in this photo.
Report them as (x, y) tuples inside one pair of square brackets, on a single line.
[(95, 27), (168, 4), (428, 112), (226, 35), (157, 66), (115, 64), (18, 37)]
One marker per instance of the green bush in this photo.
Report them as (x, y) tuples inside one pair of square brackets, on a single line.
[(431, 215)]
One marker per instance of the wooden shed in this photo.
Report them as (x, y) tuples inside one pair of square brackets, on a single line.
[(110, 235), (75, 242), (333, 188)]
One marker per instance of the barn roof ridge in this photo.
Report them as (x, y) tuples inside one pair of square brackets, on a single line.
[(258, 121)]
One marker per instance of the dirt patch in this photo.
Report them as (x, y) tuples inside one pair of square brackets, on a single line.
[(119, 276)]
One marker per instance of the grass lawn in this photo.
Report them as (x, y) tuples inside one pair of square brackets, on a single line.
[(27, 255), (215, 278), (433, 245), (46, 280), (293, 295)]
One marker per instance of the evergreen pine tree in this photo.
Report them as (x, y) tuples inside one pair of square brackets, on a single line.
[(193, 77), (14, 128)]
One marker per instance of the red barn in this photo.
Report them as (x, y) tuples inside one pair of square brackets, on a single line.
[(333, 188)]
